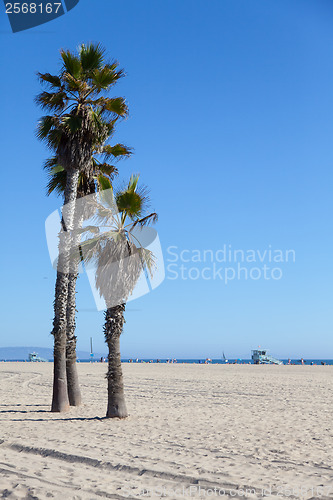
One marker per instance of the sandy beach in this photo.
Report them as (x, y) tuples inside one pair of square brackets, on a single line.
[(194, 431)]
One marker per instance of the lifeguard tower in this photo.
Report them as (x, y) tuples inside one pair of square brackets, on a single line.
[(33, 356), (260, 357)]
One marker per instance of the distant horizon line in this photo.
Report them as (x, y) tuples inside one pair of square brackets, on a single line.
[(83, 354)]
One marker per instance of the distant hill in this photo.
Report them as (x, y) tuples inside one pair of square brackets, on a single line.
[(13, 353)]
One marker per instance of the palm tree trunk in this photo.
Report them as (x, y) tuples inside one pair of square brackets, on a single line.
[(73, 387), (60, 401), (60, 396), (114, 322), (74, 393)]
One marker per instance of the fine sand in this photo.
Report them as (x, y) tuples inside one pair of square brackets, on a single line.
[(244, 430)]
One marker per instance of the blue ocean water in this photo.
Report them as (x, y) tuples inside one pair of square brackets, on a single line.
[(235, 361), (218, 361), (196, 361)]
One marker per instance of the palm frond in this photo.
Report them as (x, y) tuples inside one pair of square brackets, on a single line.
[(52, 101), (51, 165), (56, 176), (53, 138), (116, 151), (45, 125), (143, 191), (110, 125), (148, 260), (74, 84), (133, 200), (56, 183), (118, 269), (52, 80), (133, 183), (89, 249), (103, 78), (72, 64), (118, 72), (103, 182), (98, 124), (107, 209), (145, 221), (88, 229), (73, 123), (130, 203), (114, 250), (115, 106), (109, 170), (91, 56), (92, 248)]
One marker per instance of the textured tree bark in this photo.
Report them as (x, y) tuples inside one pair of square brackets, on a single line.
[(73, 387), (60, 397), (113, 327), (74, 392), (60, 401)]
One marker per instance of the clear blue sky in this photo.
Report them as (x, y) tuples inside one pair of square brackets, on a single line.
[(231, 119)]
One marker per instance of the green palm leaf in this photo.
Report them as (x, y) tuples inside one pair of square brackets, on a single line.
[(72, 122), (53, 81), (145, 221), (44, 126), (51, 165), (99, 125), (115, 106), (129, 202), (72, 64), (56, 182), (74, 84), (52, 101), (118, 72), (116, 151), (107, 169), (104, 78), (103, 182), (53, 138), (91, 57), (133, 183)]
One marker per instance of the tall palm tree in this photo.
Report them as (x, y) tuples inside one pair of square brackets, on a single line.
[(119, 258), (100, 177), (82, 116)]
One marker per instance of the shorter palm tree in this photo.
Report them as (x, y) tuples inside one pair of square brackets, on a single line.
[(119, 258)]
